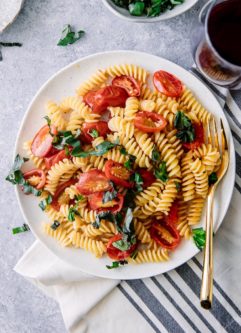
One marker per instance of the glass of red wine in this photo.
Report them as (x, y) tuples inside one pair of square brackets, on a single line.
[(216, 43)]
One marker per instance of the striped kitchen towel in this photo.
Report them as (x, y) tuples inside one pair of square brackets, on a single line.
[(165, 303)]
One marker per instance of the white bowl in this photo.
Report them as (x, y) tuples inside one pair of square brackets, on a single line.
[(124, 14), (9, 10)]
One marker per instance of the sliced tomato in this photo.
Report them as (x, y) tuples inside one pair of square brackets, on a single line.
[(117, 173), (56, 158), (166, 235), (149, 122), (100, 126), (131, 86), (100, 99), (60, 189), (38, 173), (42, 142), (167, 84), (199, 137), (93, 181), (115, 205), (172, 217), (117, 254), (147, 177)]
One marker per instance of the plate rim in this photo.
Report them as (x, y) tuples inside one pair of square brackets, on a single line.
[(28, 111), (135, 19)]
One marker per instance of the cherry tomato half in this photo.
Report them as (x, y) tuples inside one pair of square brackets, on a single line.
[(131, 86), (93, 181), (56, 158), (60, 189), (147, 177), (115, 205), (117, 254), (42, 142), (118, 174), (38, 173), (166, 235), (199, 137), (100, 126), (167, 84), (172, 217), (149, 122), (100, 99)]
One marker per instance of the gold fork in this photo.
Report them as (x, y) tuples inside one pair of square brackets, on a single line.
[(206, 293)]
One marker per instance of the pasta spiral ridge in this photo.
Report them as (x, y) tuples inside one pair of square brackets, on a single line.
[(96, 247), (147, 256), (201, 177), (145, 142), (132, 107), (138, 73), (188, 179), (122, 126), (94, 82)]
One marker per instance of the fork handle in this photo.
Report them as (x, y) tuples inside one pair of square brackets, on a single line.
[(206, 294)]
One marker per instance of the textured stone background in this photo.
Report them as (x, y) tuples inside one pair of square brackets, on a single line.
[(23, 308)]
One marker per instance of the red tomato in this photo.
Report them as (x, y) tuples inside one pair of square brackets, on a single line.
[(118, 174), (172, 217), (56, 158), (199, 137), (42, 142), (115, 205), (167, 84), (149, 122), (117, 254), (100, 126), (100, 99), (166, 235), (38, 173), (147, 177), (93, 181), (131, 86), (60, 189)]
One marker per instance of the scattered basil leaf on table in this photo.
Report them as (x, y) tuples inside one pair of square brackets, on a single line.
[(199, 237), (69, 36), (23, 228)]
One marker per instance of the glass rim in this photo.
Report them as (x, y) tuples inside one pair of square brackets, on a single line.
[(210, 42)]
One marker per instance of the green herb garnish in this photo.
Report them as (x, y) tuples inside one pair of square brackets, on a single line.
[(69, 36), (116, 264), (44, 203), (109, 196), (129, 199), (212, 178), (123, 151), (183, 124), (161, 172), (109, 216), (67, 139), (155, 155), (178, 186), (100, 150), (55, 225), (16, 177), (72, 212), (130, 162), (10, 44), (199, 237), (137, 179), (137, 8), (94, 133), (23, 228)]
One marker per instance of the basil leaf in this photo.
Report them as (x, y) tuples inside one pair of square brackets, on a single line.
[(55, 225), (128, 225), (123, 151), (155, 155), (10, 44), (130, 162), (134, 254), (137, 179), (109, 196), (23, 228), (212, 178), (199, 237), (18, 162), (94, 133), (137, 8), (129, 199), (109, 216), (161, 172), (69, 36), (178, 186), (100, 150), (44, 203), (72, 212), (116, 264), (121, 245), (183, 124)]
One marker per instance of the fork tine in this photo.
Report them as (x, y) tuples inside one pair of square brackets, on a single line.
[(215, 134), (209, 136), (224, 142)]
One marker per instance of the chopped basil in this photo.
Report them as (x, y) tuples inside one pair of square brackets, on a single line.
[(116, 264), (123, 151), (129, 199), (55, 225), (183, 124), (199, 237), (23, 228), (161, 172), (72, 212), (130, 162), (137, 8), (69, 36), (10, 44), (121, 245), (137, 179), (109, 216), (44, 203), (16, 177), (155, 156), (67, 139), (48, 120), (78, 197), (100, 150), (94, 133), (212, 178), (178, 186), (109, 196), (134, 254), (128, 226)]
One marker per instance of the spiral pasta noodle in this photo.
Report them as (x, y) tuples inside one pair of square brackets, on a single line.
[(94, 82), (188, 179), (138, 73), (132, 107), (201, 177), (96, 247), (122, 126)]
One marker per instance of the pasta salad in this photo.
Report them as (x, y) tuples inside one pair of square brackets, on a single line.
[(122, 169)]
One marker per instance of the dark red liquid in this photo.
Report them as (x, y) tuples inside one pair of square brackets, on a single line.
[(224, 28)]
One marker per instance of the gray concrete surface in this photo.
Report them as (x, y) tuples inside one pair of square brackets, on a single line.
[(23, 308)]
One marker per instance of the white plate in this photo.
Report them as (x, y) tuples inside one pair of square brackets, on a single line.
[(9, 10), (63, 84), (124, 14)]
